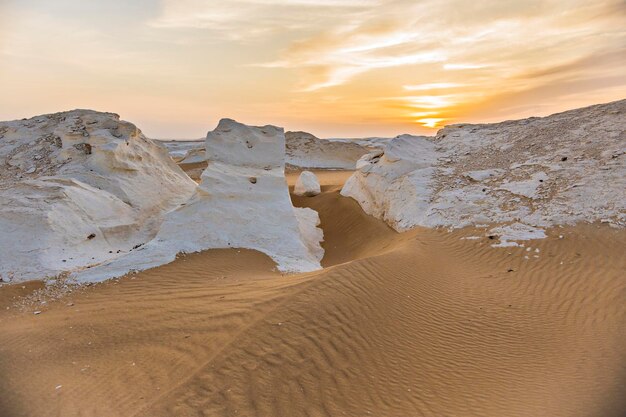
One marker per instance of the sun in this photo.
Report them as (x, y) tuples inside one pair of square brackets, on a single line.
[(432, 122)]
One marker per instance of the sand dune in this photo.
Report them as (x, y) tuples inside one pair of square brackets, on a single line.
[(423, 323)]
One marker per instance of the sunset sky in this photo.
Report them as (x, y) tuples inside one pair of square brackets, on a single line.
[(335, 68)]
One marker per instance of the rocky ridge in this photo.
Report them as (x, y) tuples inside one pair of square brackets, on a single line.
[(527, 174)]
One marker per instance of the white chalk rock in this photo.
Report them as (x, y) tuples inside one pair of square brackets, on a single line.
[(533, 173), (307, 185), (242, 202), (194, 156), (395, 185), (179, 150), (303, 150), (307, 151), (78, 189)]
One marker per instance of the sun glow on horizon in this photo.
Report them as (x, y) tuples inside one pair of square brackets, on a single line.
[(431, 123)]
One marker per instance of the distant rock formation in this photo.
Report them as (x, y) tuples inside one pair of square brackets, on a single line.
[(307, 151), (242, 202), (303, 151), (180, 149), (77, 189), (525, 175), (307, 185)]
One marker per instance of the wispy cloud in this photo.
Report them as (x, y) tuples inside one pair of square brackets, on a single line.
[(502, 41), (432, 86), (452, 67), (249, 19)]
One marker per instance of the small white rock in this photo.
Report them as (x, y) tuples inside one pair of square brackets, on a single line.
[(307, 185)]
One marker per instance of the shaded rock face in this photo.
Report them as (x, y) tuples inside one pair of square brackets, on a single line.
[(242, 201), (307, 151), (537, 172), (307, 185), (79, 188)]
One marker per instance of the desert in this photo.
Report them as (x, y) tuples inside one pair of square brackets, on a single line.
[(218, 299), (312, 208)]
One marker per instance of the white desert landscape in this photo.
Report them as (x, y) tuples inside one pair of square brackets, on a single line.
[(480, 271), (312, 208)]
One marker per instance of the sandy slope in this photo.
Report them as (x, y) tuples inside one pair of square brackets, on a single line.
[(418, 324)]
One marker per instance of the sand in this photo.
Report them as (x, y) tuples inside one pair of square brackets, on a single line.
[(424, 323)]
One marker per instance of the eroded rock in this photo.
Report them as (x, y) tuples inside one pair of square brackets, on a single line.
[(242, 201), (65, 177), (307, 185), (533, 173)]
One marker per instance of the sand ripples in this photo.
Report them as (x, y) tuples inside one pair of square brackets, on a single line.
[(419, 324)]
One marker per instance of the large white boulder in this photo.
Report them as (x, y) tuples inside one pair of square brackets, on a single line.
[(537, 172), (242, 202), (307, 185), (77, 189), (395, 184)]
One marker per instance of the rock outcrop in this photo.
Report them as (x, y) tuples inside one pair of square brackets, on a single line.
[(525, 175), (78, 189), (307, 185), (179, 150), (194, 156), (394, 184), (303, 151), (307, 151), (242, 202)]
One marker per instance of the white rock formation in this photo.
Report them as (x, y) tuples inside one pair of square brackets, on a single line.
[(307, 185), (78, 189), (405, 166), (194, 156), (538, 172), (183, 149), (242, 202), (303, 151), (307, 151)]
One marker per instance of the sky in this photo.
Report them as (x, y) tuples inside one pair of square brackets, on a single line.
[(335, 68)]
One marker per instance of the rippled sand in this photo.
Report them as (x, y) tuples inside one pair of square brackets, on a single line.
[(417, 324)]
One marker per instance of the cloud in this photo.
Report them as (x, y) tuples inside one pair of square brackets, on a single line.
[(330, 42), (431, 86), (452, 67), (248, 19)]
